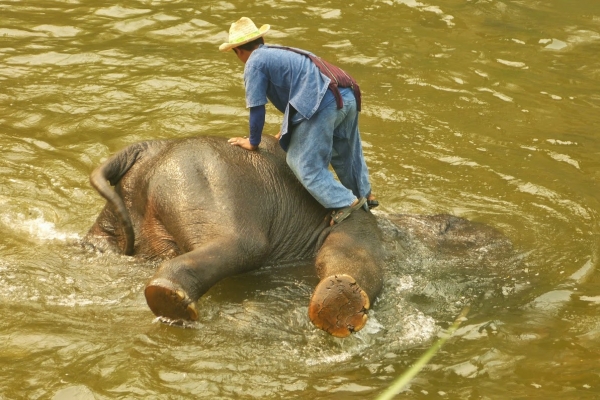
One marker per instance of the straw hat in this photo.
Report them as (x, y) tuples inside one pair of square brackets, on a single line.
[(243, 31)]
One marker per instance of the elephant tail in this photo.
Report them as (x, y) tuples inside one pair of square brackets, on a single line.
[(109, 174)]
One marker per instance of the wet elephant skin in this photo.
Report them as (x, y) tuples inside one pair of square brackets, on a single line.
[(210, 210)]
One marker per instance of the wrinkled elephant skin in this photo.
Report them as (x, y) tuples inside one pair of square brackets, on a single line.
[(210, 210)]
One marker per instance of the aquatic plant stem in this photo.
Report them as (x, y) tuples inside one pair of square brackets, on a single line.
[(407, 376)]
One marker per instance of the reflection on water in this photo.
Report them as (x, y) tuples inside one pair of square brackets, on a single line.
[(487, 110)]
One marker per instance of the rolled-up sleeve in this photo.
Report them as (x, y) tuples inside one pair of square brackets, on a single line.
[(256, 83)]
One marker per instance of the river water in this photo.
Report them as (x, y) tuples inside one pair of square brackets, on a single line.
[(488, 110)]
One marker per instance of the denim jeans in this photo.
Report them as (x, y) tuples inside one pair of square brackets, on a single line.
[(330, 136)]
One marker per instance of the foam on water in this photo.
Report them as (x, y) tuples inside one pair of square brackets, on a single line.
[(178, 323), (74, 300), (37, 228)]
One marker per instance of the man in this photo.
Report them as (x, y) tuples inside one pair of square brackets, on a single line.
[(320, 104)]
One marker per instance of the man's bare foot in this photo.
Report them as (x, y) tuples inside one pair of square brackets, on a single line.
[(343, 213), (372, 201)]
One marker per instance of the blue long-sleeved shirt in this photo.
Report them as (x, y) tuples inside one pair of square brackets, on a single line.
[(256, 124), (288, 80)]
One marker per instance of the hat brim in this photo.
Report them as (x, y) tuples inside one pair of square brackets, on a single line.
[(261, 32)]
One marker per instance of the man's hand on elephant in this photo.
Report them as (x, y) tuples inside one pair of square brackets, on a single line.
[(244, 143), (278, 135)]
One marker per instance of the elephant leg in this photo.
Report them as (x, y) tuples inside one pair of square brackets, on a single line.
[(350, 279), (178, 283)]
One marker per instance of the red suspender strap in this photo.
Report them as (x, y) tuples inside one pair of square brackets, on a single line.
[(339, 78)]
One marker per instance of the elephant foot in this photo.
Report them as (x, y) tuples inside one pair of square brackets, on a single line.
[(167, 300), (339, 306)]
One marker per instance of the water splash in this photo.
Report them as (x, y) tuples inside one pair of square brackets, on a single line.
[(37, 228)]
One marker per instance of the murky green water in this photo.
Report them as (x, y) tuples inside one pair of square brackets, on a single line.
[(484, 109)]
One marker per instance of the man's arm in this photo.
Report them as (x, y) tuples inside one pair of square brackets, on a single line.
[(256, 124)]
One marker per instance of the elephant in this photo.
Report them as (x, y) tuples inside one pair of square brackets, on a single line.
[(207, 210)]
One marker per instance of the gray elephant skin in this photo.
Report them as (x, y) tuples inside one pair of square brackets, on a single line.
[(210, 210)]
